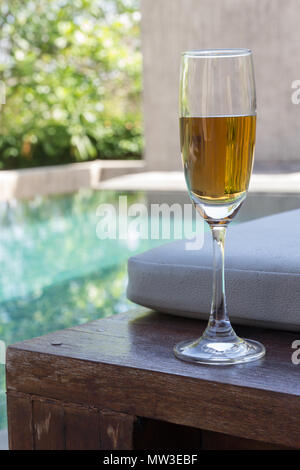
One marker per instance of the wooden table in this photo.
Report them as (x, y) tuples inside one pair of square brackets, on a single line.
[(115, 384)]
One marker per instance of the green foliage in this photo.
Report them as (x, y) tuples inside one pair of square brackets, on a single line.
[(72, 72)]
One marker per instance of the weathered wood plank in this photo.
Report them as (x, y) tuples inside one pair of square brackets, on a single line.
[(126, 363), (244, 412), (116, 431), (82, 428), (145, 340), (48, 425), (19, 413)]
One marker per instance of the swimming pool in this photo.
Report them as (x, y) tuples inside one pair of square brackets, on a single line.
[(55, 272)]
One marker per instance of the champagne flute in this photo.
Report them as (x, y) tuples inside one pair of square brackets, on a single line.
[(217, 136)]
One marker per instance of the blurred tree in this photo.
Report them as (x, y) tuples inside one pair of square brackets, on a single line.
[(72, 72)]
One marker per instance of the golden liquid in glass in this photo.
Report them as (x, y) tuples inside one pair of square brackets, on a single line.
[(217, 154)]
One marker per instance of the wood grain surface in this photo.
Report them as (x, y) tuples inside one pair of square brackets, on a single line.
[(125, 364)]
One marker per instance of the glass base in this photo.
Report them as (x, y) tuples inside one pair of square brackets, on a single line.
[(219, 351)]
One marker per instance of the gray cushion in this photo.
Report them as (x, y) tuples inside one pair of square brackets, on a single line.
[(262, 274)]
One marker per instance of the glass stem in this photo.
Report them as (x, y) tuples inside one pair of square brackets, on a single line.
[(219, 327)]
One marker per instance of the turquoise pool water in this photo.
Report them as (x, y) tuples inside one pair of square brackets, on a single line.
[(55, 272)]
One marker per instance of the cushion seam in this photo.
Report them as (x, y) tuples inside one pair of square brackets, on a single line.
[(136, 260)]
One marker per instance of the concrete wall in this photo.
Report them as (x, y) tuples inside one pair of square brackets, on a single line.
[(58, 179), (271, 28)]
